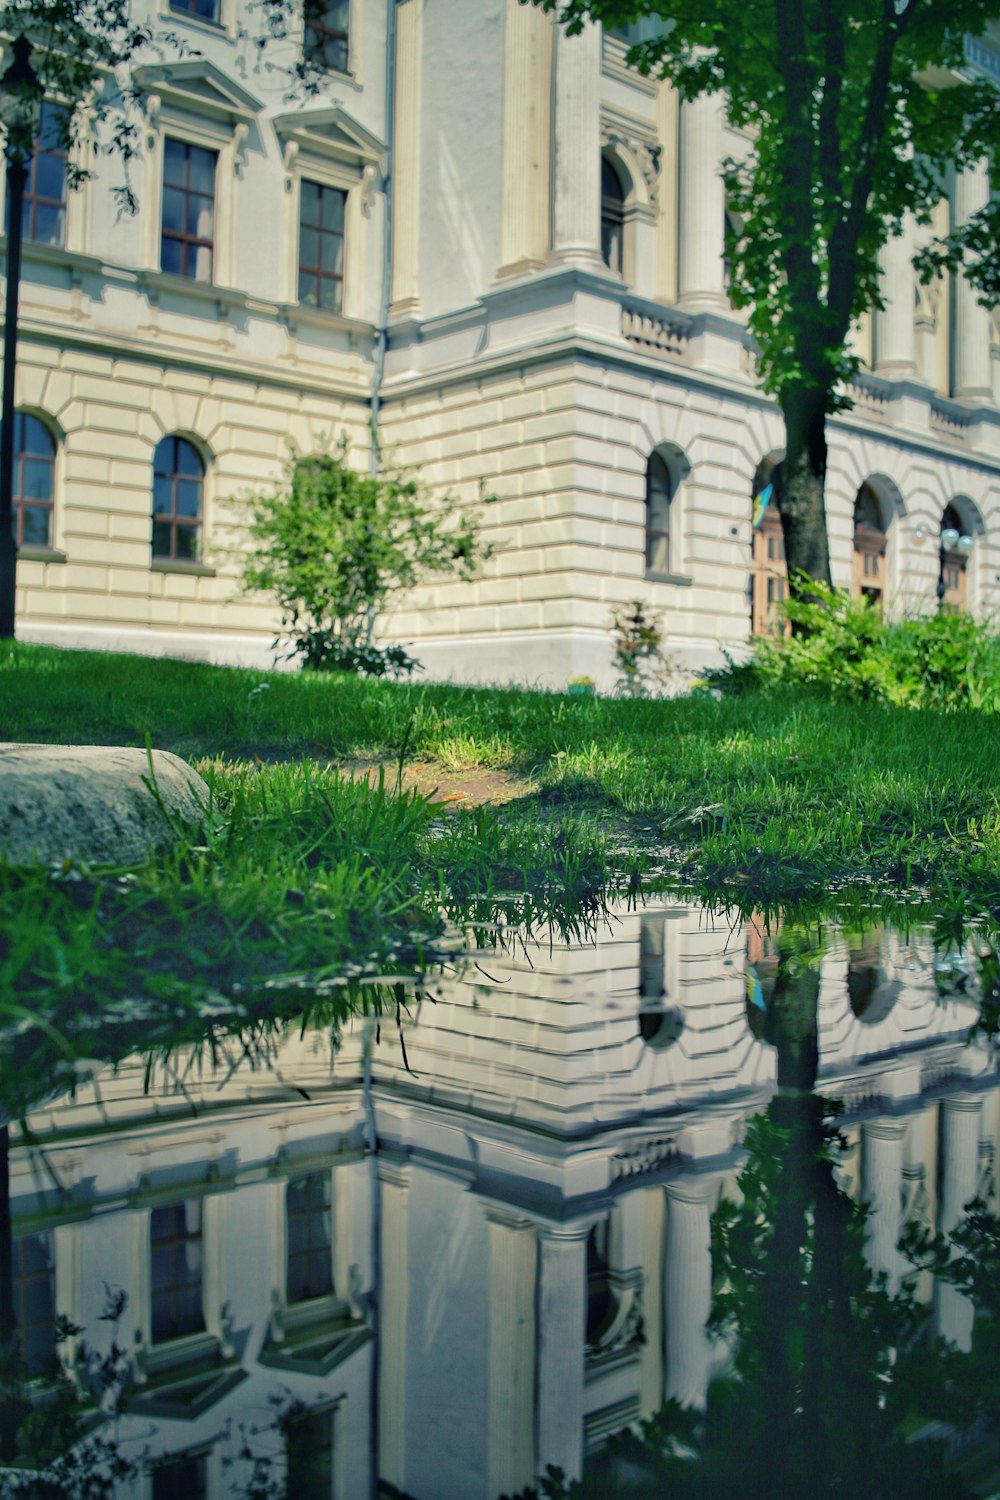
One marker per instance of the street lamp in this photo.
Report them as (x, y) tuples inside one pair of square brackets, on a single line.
[(950, 539), (20, 109)]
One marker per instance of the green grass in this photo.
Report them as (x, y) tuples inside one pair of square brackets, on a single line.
[(779, 790), (311, 896)]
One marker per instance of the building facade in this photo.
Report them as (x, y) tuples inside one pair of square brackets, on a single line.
[(539, 232)]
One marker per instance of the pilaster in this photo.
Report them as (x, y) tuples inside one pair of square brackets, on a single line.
[(576, 207), (702, 208), (562, 1329), (973, 377), (959, 1170), (687, 1290), (510, 1439), (881, 1187), (527, 128), (407, 138)]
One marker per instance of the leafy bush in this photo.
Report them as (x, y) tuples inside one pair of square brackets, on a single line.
[(334, 546), (843, 648)]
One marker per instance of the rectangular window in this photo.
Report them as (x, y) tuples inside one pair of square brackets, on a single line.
[(175, 1271), (308, 1218), (44, 220), (325, 43), (321, 246), (309, 1457), (202, 10), (35, 1300), (187, 233), (182, 1478)]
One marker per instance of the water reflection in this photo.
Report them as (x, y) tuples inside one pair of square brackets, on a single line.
[(524, 1264)]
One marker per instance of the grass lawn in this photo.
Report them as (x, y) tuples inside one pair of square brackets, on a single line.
[(784, 790), (304, 883)]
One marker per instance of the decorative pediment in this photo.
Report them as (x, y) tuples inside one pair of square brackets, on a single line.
[(332, 133), (199, 87)]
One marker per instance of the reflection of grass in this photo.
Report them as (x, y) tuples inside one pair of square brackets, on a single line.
[(776, 790), (312, 885)]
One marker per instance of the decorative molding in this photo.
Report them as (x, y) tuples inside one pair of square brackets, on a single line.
[(330, 133), (644, 1156), (197, 86), (638, 144)]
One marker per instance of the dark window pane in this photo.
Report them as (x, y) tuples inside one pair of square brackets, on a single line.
[(32, 436), (188, 497), (182, 1478), (36, 480), (202, 169), (50, 176), (173, 163), (187, 544), (333, 209), (162, 492), (309, 1457), (49, 224), (188, 459), (174, 202), (35, 527), (161, 539), (332, 246), (308, 247), (172, 257)]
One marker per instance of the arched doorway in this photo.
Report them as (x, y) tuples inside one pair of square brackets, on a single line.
[(768, 568), (869, 546)]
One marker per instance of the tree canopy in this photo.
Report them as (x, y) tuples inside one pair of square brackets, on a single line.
[(856, 112)]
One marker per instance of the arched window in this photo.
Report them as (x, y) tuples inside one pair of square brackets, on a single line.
[(178, 485), (954, 565), (34, 481), (612, 218), (661, 486), (768, 568), (869, 546)]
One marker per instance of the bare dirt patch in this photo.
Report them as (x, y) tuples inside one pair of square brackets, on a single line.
[(471, 788)]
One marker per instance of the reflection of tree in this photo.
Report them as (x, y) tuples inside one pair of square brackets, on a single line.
[(831, 1376)]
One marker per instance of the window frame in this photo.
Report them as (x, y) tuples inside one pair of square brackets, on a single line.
[(308, 1216), (187, 12), (613, 213), (20, 502), (320, 27), (174, 518), (183, 238), (308, 180), (174, 1240), (20, 1281)]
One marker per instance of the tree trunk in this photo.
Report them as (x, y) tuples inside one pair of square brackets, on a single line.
[(801, 484)]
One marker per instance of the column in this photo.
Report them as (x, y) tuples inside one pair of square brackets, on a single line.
[(394, 1186), (510, 1437), (958, 1175), (576, 207), (562, 1331), (895, 351), (407, 137), (687, 1290), (668, 129), (972, 376), (527, 145), (702, 207), (881, 1189)]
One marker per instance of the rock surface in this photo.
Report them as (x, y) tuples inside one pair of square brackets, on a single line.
[(93, 803)]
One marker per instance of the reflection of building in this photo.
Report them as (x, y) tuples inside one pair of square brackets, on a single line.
[(535, 1224), (558, 325)]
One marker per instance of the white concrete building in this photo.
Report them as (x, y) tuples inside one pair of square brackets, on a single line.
[(556, 324), (522, 1266)]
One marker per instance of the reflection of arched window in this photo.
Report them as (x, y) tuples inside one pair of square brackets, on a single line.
[(178, 484), (955, 598), (869, 546), (602, 1303), (768, 568), (660, 488), (34, 481), (612, 218), (871, 993)]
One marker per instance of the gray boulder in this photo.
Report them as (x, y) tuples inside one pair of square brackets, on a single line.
[(93, 803)]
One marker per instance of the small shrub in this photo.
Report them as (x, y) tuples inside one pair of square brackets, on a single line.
[(644, 670), (334, 546)]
